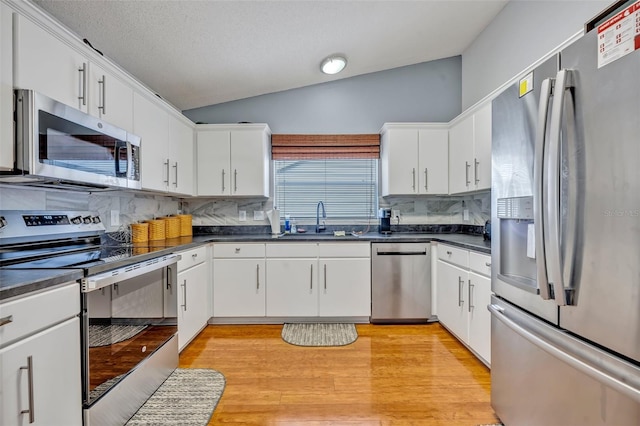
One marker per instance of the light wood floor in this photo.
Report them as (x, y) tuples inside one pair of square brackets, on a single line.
[(392, 375)]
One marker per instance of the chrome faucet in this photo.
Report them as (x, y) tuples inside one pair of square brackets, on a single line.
[(320, 228)]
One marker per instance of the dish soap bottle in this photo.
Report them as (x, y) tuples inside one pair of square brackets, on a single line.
[(287, 224)]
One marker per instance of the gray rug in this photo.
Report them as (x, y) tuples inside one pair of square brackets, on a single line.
[(319, 334), (104, 335), (188, 397)]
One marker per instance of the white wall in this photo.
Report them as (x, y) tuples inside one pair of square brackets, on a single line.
[(523, 32)]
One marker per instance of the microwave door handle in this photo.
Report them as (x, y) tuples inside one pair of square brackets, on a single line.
[(538, 198), (119, 148), (564, 80)]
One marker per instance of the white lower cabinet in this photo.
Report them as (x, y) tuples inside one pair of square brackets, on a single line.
[(463, 293), (193, 294), (345, 287), (239, 280), (292, 280), (40, 369)]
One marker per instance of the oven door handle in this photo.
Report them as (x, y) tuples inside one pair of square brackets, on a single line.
[(98, 281)]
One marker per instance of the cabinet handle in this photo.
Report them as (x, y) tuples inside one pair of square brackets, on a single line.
[(168, 276), (175, 166), (470, 299), (460, 284), (235, 180), (222, 180), (83, 83), (449, 253), (6, 320), (311, 278), (116, 288), (29, 368), (414, 179), (166, 164), (426, 179), (466, 170), (184, 293), (103, 83), (475, 170), (237, 250), (258, 277), (488, 265), (194, 255), (325, 277)]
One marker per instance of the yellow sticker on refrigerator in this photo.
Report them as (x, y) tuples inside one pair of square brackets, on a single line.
[(526, 84), (619, 35)]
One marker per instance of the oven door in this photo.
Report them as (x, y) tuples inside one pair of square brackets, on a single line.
[(129, 317), (57, 141)]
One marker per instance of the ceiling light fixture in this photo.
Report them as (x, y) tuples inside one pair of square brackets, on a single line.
[(333, 64)]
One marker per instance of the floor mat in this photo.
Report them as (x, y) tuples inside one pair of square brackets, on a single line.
[(188, 397), (311, 334)]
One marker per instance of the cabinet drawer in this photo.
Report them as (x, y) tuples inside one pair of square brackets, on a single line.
[(39, 311), (480, 263), (344, 250), (238, 250), (192, 258), (292, 250), (454, 255)]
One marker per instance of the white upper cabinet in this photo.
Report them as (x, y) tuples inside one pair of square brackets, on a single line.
[(233, 160), (150, 123), (470, 152), (167, 148), (47, 65), (110, 98), (181, 170), (414, 159), (6, 88)]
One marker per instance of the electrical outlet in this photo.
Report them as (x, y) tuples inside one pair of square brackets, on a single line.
[(258, 215), (395, 213), (465, 214), (242, 216), (115, 218)]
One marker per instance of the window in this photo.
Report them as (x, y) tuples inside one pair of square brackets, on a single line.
[(347, 187)]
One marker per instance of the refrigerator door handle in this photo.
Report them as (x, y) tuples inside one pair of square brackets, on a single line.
[(564, 80), (538, 198), (617, 381)]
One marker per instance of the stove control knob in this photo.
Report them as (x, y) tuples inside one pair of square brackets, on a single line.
[(86, 220), (76, 220), (96, 219)]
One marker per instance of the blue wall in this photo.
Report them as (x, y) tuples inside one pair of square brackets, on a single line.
[(425, 92)]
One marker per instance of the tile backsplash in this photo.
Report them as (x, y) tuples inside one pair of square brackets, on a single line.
[(135, 207)]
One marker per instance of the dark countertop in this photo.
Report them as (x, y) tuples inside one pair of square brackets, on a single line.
[(18, 282), (14, 282)]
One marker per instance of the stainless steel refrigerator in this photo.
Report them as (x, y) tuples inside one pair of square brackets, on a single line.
[(565, 195)]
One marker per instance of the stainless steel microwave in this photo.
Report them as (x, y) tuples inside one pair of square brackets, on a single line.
[(57, 142)]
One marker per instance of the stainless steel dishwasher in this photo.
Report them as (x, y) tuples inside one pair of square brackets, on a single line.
[(401, 283)]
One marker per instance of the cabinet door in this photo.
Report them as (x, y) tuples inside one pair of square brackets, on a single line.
[(345, 287), (192, 302), (238, 288), (461, 156), (451, 298), (482, 148), (47, 65), (181, 171), (150, 123), (213, 151), (399, 162), (249, 163), (56, 385), (433, 164), (293, 287), (479, 296), (6, 88), (110, 98)]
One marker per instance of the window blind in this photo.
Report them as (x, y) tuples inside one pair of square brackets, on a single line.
[(298, 147), (347, 187)]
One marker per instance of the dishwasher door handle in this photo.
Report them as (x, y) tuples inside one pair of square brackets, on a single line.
[(401, 253)]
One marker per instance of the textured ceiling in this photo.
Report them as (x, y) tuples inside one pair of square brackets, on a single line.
[(197, 53)]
